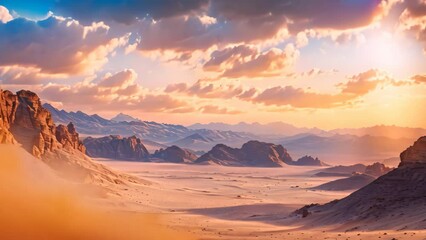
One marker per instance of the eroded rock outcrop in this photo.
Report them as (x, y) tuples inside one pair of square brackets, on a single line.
[(175, 154), (377, 169), (252, 153), (25, 121), (116, 147), (69, 138), (415, 154), (308, 161), (8, 106)]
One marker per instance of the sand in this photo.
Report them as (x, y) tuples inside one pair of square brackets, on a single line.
[(216, 202)]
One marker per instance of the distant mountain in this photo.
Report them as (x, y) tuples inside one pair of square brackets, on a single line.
[(276, 128), (175, 154), (161, 133), (308, 161), (345, 149), (252, 153), (285, 129), (384, 131), (121, 117)]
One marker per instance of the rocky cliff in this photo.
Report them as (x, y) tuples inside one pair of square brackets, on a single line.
[(308, 161), (415, 154), (116, 147), (25, 121), (175, 154), (395, 200), (252, 153)]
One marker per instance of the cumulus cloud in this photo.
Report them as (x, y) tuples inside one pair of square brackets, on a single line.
[(190, 33), (56, 45), (126, 11), (245, 61), (357, 86), (305, 14), (364, 82), (114, 91), (413, 19), (5, 15), (17, 75)]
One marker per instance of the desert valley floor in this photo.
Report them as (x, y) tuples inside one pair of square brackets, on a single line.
[(216, 202)]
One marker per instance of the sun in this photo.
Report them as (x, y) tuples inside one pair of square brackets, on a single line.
[(384, 50)]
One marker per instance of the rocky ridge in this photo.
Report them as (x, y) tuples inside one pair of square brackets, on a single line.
[(175, 154), (116, 147), (252, 153)]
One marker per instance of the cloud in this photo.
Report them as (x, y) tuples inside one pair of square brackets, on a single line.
[(113, 92), (56, 45), (357, 86), (245, 61), (413, 19), (17, 75), (419, 78), (190, 33), (205, 90), (121, 79), (5, 15), (364, 82), (305, 14), (126, 11), (228, 56), (297, 97), (211, 109)]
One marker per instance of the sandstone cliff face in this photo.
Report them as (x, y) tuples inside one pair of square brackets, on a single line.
[(25, 121), (252, 153), (8, 106), (175, 154), (116, 147), (415, 154), (69, 138)]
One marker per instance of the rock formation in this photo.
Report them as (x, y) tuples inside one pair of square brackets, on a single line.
[(8, 105), (395, 200), (175, 154), (308, 161), (415, 154), (116, 147), (68, 137), (252, 153), (24, 120), (377, 169)]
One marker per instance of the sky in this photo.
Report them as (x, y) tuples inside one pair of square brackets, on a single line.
[(311, 63)]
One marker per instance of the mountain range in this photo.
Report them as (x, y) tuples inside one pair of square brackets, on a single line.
[(162, 133), (340, 146), (285, 129)]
